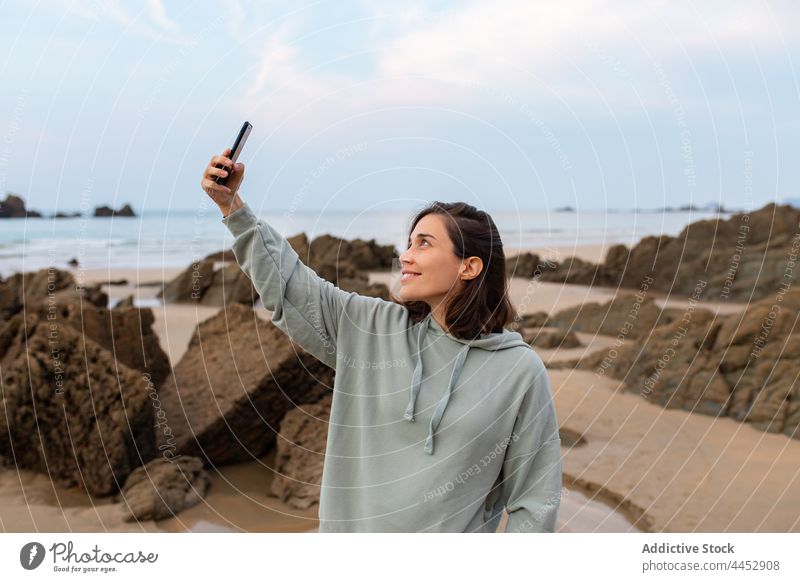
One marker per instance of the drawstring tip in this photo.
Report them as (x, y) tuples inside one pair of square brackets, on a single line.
[(429, 445), (409, 416)]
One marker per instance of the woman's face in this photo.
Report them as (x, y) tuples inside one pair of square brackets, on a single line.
[(431, 255)]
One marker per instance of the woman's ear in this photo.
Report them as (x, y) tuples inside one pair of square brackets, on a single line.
[(471, 268)]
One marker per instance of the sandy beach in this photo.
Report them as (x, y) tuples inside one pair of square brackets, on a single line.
[(642, 468)]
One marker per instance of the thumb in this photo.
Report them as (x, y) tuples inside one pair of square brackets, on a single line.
[(239, 167)]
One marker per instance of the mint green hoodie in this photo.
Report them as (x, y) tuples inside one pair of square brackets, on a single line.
[(427, 432)]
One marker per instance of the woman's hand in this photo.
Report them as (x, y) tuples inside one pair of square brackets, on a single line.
[(226, 197)]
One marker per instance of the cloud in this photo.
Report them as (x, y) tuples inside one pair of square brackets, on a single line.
[(551, 51), (151, 20)]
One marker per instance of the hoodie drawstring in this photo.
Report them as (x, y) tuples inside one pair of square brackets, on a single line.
[(416, 381), (439, 412), (416, 378)]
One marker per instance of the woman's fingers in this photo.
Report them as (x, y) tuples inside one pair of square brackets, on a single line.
[(212, 187), (212, 171), (221, 161)]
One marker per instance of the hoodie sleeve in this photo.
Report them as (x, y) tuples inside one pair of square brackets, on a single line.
[(304, 305), (532, 481)]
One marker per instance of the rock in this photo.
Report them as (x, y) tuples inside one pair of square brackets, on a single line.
[(330, 250), (73, 262), (104, 211), (229, 285), (69, 409), (190, 285), (66, 215), (43, 284), (14, 207), (226, 255), (626, 316), (126, 302), (300, 454), (527, 265), (163, 488), (127, 332), (746, 256), (743, 366), (549, 339), (239, 376)]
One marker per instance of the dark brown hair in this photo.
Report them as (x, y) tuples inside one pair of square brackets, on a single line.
[(482, 306)]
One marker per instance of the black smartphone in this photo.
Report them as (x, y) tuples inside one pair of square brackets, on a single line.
[(238, 145)]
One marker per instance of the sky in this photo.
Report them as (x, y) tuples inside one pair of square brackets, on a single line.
[(371, 105)]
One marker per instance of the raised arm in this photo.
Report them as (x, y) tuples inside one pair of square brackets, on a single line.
[(305, 306)]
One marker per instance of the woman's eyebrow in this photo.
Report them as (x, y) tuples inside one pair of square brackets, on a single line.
[(420, 235)]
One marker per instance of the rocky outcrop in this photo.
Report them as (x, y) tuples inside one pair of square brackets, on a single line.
[(226, 398), (104, 211), (50, 283), (14, 207), (202, 284), (300, 454), (746, 256), (127, 332), (163, 487), (628, 316), (550, 339), (207, 285), (742, 366), (69, 409)]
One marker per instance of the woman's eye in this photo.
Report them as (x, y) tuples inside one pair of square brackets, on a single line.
[(424, 241)]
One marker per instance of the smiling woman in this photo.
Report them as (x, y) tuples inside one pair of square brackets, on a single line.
[(474, 394), (454, 268)]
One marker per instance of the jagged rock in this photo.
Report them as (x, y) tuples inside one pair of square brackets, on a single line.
[(226, 397), (127, 332), (69, 408), (43, 284), (163, 488), (229, 285), (108, 211), (189, 285), (125, 302), (14, 207), (527, 265), (628, 316), (742, 365), (66, 215), (743, 257), (300, 453), (549, 339)]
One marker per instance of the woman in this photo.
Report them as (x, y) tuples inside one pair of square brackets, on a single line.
[(440, 417)]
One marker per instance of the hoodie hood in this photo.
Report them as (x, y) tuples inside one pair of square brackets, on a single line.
[(491, 341)]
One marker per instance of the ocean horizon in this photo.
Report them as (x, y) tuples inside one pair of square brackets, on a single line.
[(176, 238)]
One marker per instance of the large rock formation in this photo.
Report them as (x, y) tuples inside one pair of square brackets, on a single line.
[(69, 408), (744, 366), (226, 397), (32, 287), (628, 316), (341, 262), (746, 256), (14, 207), (300, 454), (127, 332)]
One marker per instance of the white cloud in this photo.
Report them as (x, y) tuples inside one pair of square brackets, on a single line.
[(517, 45)]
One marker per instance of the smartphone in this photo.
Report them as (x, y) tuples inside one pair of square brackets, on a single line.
[(238, 145)]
